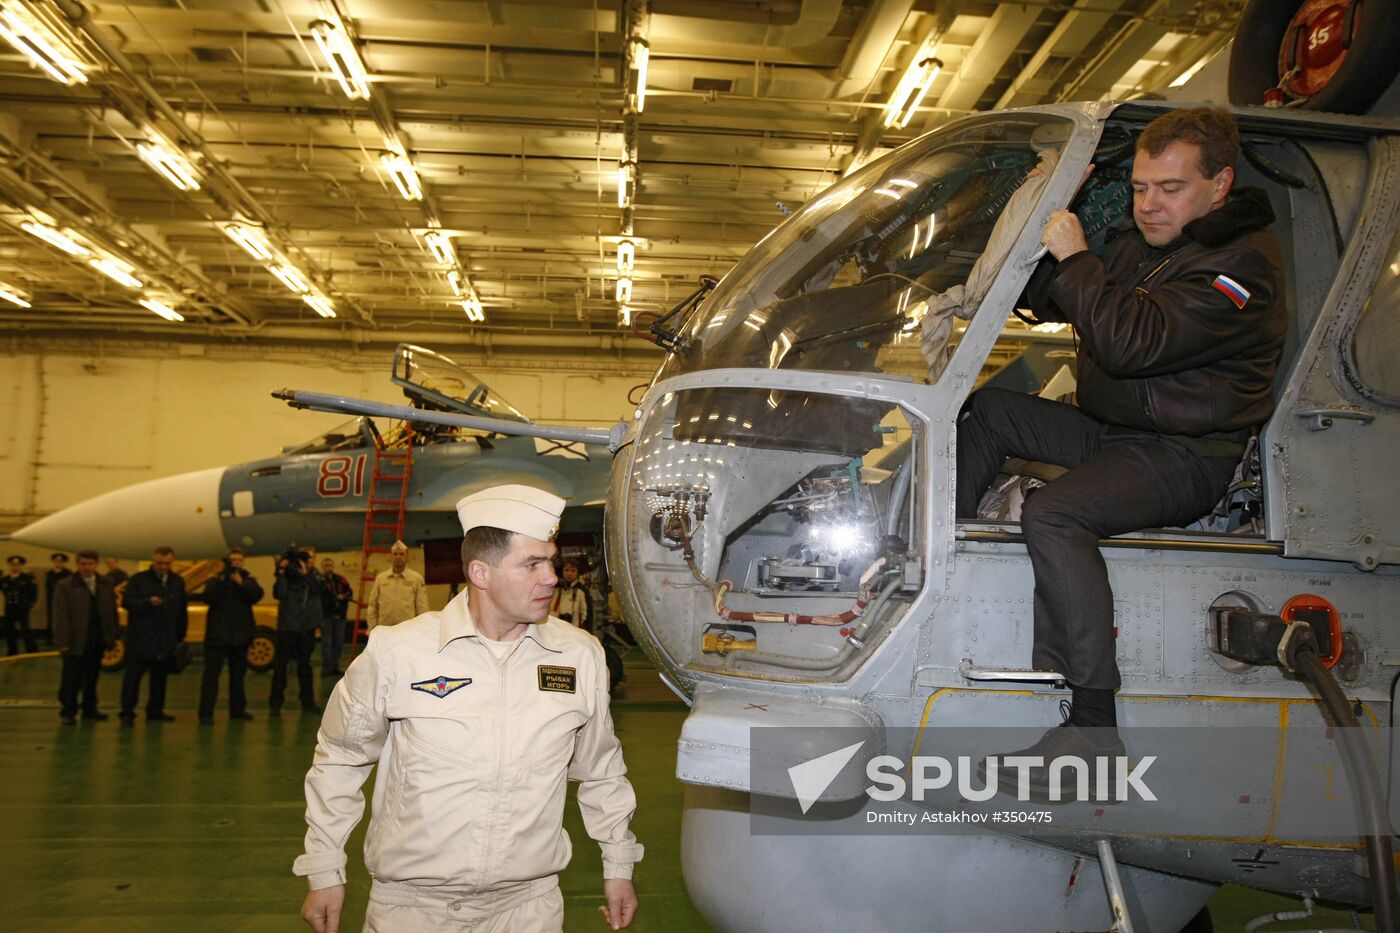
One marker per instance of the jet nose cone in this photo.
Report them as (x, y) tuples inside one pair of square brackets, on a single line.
[(179, 511)]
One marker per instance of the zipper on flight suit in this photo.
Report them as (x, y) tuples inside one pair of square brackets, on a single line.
[(498, 736)]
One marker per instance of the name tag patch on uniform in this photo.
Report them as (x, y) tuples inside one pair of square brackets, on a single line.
[(441, 686), (558, 679), (1233, 290)]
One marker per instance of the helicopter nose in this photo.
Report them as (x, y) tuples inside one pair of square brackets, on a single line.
[(179, 511)]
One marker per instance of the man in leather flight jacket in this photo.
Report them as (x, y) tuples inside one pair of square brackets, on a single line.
[(1181, 324)]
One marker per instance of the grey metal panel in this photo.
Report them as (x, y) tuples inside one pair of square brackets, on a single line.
[(1330, 452), (901, 883), (1344, 170), (715, 745)]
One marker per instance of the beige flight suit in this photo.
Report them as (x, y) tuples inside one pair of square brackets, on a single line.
[(395, 598), (473, 754)]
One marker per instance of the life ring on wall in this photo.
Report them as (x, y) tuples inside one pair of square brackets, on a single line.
[(1333, 55)]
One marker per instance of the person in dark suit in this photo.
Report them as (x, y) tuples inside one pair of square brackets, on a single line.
[(21, 593), (115, 574), (59, 572), (336, 596), (157, 619), (231, 597), (84, 625)]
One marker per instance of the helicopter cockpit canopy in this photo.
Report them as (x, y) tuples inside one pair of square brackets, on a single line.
[(843, 284), (751, 500)]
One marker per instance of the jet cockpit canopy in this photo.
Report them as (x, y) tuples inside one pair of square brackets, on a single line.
[(434, 381), (355, 434)]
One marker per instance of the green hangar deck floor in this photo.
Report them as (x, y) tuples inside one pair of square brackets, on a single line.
[(178, 827)]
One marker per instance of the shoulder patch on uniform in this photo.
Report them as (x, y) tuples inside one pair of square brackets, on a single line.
[(441, 686), (1233, 290), (558, 679)]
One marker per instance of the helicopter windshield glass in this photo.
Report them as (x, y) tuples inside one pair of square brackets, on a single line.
[(843, 284), (351, 435), (743, 509)]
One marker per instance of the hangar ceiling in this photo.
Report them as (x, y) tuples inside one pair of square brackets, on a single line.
[(513, 118)]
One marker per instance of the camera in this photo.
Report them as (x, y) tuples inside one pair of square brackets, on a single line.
[(294, 558)]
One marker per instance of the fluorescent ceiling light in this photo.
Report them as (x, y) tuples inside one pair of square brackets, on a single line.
[(454, 281), (624, 290), (291, 277), (344, 61), (626, 183), (117, 271), (626, 257), (320, 304), (14, 295), (404, 174), (913, 85), (38, 43), (440, 244), (161, 308), (168, 162), (252, 239), (61, 239), (624, 316), (472, 306), (638, 54)]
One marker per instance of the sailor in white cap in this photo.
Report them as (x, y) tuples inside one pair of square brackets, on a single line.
[(478, 715)]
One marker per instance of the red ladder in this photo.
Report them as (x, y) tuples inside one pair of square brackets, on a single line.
[(384, 516)]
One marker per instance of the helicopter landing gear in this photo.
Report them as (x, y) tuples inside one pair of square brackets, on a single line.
[(1113, 885)]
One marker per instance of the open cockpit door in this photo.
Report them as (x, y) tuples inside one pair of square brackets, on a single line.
[(433, 381), (1332, 443)]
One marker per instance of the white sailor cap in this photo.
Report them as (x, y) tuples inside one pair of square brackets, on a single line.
[(523, 509)]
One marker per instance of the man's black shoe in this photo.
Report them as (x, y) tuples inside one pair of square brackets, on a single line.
[(68, 719), (206, 720), (95, 716), (128, 719), (1063, 741), (246, 717), (159, 717), (274, 711)]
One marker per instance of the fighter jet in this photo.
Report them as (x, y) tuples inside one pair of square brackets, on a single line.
[(317, 492), (782, 536)]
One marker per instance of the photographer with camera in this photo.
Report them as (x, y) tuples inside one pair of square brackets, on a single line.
[(298, 593), (231, 596)]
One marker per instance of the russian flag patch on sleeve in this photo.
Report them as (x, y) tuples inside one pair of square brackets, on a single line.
[(1233, 290)]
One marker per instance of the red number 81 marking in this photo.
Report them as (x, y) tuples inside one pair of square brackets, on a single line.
[(336, 474), (334, 480)]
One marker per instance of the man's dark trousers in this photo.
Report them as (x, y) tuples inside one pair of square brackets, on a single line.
[(293, 646), (80, 674), (1120, 480), (214, 657), (16, 627), (136, 668), (332, 643)]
